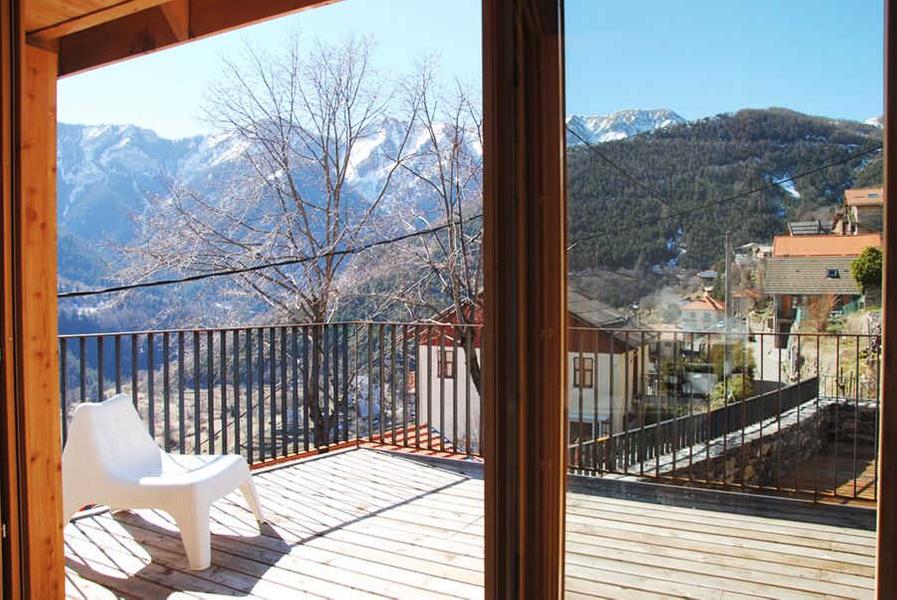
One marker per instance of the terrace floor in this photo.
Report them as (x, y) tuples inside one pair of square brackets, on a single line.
[(372, 524)]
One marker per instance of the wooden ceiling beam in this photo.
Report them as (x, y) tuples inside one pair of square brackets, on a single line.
[(177, 13), (46, 36), (162, 26)]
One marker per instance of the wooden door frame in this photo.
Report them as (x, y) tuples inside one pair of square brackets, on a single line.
[(524, 347), (886, 553), (31, 452)]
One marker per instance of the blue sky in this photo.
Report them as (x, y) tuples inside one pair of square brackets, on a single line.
[(697, 57)]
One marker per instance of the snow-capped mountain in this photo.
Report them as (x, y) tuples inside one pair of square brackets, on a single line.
[(619, 125), (875, 121)]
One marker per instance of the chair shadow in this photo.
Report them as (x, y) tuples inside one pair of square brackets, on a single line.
[(232, 572)]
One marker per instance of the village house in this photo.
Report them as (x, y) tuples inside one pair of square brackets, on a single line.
[(603, 361), (862, 212), (702, 314), (804, 268)]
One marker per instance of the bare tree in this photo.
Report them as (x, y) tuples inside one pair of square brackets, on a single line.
[(444, 269), (298, 120)]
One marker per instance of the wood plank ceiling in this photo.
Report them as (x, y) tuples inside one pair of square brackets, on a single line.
[(92, 33)]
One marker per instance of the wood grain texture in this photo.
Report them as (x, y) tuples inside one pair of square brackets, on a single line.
[(525, 297), (151, 29), (373, 524), (48, 20), (34, 302), (10, 564), (886, 577)]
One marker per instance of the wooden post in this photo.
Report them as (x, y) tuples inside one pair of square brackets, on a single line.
[(32, 508), (886, 556), (525, 297)]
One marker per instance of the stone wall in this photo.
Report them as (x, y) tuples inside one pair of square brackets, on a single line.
[(762, 458)]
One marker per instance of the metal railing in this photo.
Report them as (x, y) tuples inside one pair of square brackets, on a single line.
[(794, 413), (274, 392)]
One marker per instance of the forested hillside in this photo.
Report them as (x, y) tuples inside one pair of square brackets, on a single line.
[(632, 216)]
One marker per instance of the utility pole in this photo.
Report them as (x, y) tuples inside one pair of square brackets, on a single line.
[(728, 296)]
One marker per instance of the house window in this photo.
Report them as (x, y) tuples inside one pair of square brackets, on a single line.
[(445, 365), (583, 371)]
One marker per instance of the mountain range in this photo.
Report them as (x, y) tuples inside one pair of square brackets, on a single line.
[(106, 173)]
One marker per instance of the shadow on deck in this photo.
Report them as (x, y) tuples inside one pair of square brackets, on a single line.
[(373, 524)]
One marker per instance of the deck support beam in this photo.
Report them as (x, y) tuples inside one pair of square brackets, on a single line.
[(525, 297), (886, 556)]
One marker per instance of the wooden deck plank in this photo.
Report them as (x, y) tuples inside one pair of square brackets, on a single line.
[(369, 524)]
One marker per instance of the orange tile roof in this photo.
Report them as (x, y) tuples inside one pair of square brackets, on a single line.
[(864, 197), (705, 303), (823, 245)]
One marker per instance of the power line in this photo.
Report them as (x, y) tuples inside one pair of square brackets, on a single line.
[(259, 267), (432, 230), (594, 149)]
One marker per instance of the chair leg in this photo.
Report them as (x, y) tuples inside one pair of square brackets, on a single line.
[(196, 537), (252, 499)]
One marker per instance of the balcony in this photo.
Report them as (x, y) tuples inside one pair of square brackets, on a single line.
[(366, 439), (367, 523)]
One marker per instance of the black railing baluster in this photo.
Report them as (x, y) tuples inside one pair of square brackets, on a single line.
[(134, 370), (579, 385), (100, 367), (405, 385), (272, 390), (182, 421), (626, 391), (197, 406), (324, 375), (250, 456), (597, 454), (261, 389), (417, 386), (285, 426), (210, 390), (370, 370), (222, 404), (875, 404), (117, 358), (837, 394), (166, 392), (467, 433), (237, 421), (150, 384), (441, 375), (356, 391), (392, 382), (63, 377), (643, 403), (381, 383), (856, 412), (345, 381), (82, 346), (306, 397), (294, 366), (818, 419), (429, 388)]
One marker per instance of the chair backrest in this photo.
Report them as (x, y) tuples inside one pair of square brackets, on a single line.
[(112, 436)]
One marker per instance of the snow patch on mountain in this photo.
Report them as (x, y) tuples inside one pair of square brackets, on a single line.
[(619, 125)]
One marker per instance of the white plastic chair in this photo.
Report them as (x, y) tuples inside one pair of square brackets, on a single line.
[(111, 459)]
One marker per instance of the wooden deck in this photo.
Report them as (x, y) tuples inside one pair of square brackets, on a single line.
[(371, 524)]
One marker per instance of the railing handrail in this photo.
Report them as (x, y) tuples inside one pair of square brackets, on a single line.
[(232, 328)]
